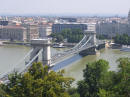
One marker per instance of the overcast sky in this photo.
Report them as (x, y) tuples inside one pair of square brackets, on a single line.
[(117, 7)]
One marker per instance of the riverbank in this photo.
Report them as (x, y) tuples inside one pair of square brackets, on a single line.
[(125, 48), (17, 43), (28, 43)]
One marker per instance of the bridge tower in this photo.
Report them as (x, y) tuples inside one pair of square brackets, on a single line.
[(44, 44), (92, 33)]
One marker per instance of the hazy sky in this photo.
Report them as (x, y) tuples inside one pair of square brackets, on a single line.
[(117, 7)]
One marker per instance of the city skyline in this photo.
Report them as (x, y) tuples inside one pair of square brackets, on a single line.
[(65, 7)]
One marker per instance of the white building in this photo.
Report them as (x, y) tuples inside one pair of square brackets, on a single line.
[(44, 30)]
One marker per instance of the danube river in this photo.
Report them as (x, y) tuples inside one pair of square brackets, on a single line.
[(11, 54)]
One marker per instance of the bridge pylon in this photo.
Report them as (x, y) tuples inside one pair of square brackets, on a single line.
[(91, 33), (44, 44)]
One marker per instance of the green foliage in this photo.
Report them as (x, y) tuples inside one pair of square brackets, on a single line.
[(122, 39), (104, 93), (102, 37), (93, 79), (123, 85), (2, 92), (73, 36), (38, 82), (73, 92), (99, 82)]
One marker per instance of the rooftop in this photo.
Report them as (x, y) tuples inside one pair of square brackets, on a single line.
[(12, 27)]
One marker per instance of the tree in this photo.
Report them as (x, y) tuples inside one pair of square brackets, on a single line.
[(93, 79), (117, 38), (38, 82), (122, 39), (99, 82), (122, 87), (72, 35), (104, 93), (59, 38), (73, 92), (2, 92)]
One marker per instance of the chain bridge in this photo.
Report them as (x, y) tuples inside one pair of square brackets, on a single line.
[(42, 47)]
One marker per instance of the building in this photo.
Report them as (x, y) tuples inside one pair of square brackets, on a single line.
[(56, 28), (32, 31), (91, 27), (4, 23), (69, 19), (110, 30), (113, 27), (12, 33), (48, 30), (44, 30)]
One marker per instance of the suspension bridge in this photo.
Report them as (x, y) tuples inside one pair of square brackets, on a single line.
[(42, 47)]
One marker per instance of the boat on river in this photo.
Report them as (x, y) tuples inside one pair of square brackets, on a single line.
[(59, 45)]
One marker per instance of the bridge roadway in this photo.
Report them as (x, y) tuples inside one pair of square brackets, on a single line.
[(27, 63), (59, 57)]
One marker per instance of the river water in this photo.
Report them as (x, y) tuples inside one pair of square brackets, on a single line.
[(11, 54), (75, 69)]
